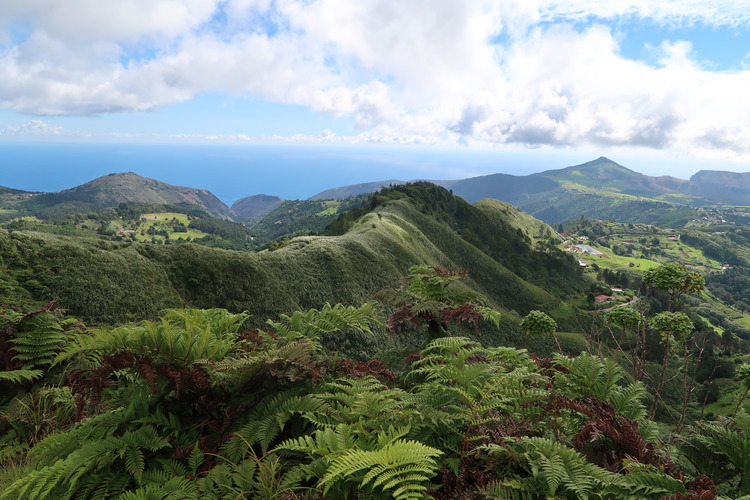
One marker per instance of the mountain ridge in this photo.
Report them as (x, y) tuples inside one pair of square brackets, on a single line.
[(600, 188), (127, 187)]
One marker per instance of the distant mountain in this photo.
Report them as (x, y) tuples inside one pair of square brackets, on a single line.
[(256, 207), (113, 189), (600, 189), (726, 187), (354, 189), (7, 190)]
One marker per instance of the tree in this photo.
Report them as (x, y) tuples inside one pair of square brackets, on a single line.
[(626, 316), (743, 373), (674, 329), (539, 323), (674, 279)]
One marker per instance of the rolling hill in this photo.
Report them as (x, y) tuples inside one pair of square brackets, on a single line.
[(106, 282), (113, 189), (255, 207)]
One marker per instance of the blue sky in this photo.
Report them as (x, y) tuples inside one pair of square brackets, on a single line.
[(660, 87)]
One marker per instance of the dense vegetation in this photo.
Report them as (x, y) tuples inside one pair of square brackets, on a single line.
[(194, 406), (487, 368), (299, 217)]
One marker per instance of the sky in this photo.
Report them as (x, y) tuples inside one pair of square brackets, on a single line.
[(662, 87)]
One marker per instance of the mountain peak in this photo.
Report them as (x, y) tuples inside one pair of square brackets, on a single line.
[(128, 187)]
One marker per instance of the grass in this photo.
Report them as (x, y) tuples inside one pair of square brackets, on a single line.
[(160, 221), (672, 250), (332, 208)]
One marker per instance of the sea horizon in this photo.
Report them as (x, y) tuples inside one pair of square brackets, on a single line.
[(232, 172)]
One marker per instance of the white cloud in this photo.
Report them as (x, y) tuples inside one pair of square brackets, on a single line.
[(424, 71), (34, 127), (120, 20)]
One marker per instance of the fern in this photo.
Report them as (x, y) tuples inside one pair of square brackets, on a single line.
[(587, 376), (102, 456), (180, 336), (313, 323), (37, 343), (248, 367), (364, 401), (390, 463), (402, 467), (268, 419), (554, 469), (20, 376), (721, 450)]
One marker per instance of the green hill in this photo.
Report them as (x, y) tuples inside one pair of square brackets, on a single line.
[(255, 207), (300, 217), (111, 190), (106, 282), (602, 189)]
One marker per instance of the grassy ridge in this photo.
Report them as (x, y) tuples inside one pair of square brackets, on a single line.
[(104, 282)]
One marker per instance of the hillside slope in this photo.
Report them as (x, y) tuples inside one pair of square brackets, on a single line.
[(255, 207), (113, 189), (101, 281), (599, 189)]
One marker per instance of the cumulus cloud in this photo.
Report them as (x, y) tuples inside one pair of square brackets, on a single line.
[(527, 72)]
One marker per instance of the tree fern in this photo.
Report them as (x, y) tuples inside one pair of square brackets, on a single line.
[(312, 324), (721, 450), (268, 419), (180, 336)]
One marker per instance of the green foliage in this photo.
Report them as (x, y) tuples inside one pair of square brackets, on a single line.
[(312, 324), (258, 415), (669, 324), (399, 467), (182, 335), (623, 315), (424, 297), (674, 279), (721, 450), (538, 323)]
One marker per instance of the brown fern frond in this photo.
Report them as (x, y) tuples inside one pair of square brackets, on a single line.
[(374, 368), (465, 312)]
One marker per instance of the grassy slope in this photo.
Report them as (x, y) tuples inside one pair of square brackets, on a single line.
[(109, 282)]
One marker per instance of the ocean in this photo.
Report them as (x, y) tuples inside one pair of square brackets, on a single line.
[(235, 171)]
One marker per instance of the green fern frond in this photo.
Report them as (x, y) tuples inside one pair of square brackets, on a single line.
[(181, 335), (555, 468), (313, 323), (20, 376), (247, 368), (325, 442), (268, 419), (587, 376), (401, 466), (627, 401), (37, 339)]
